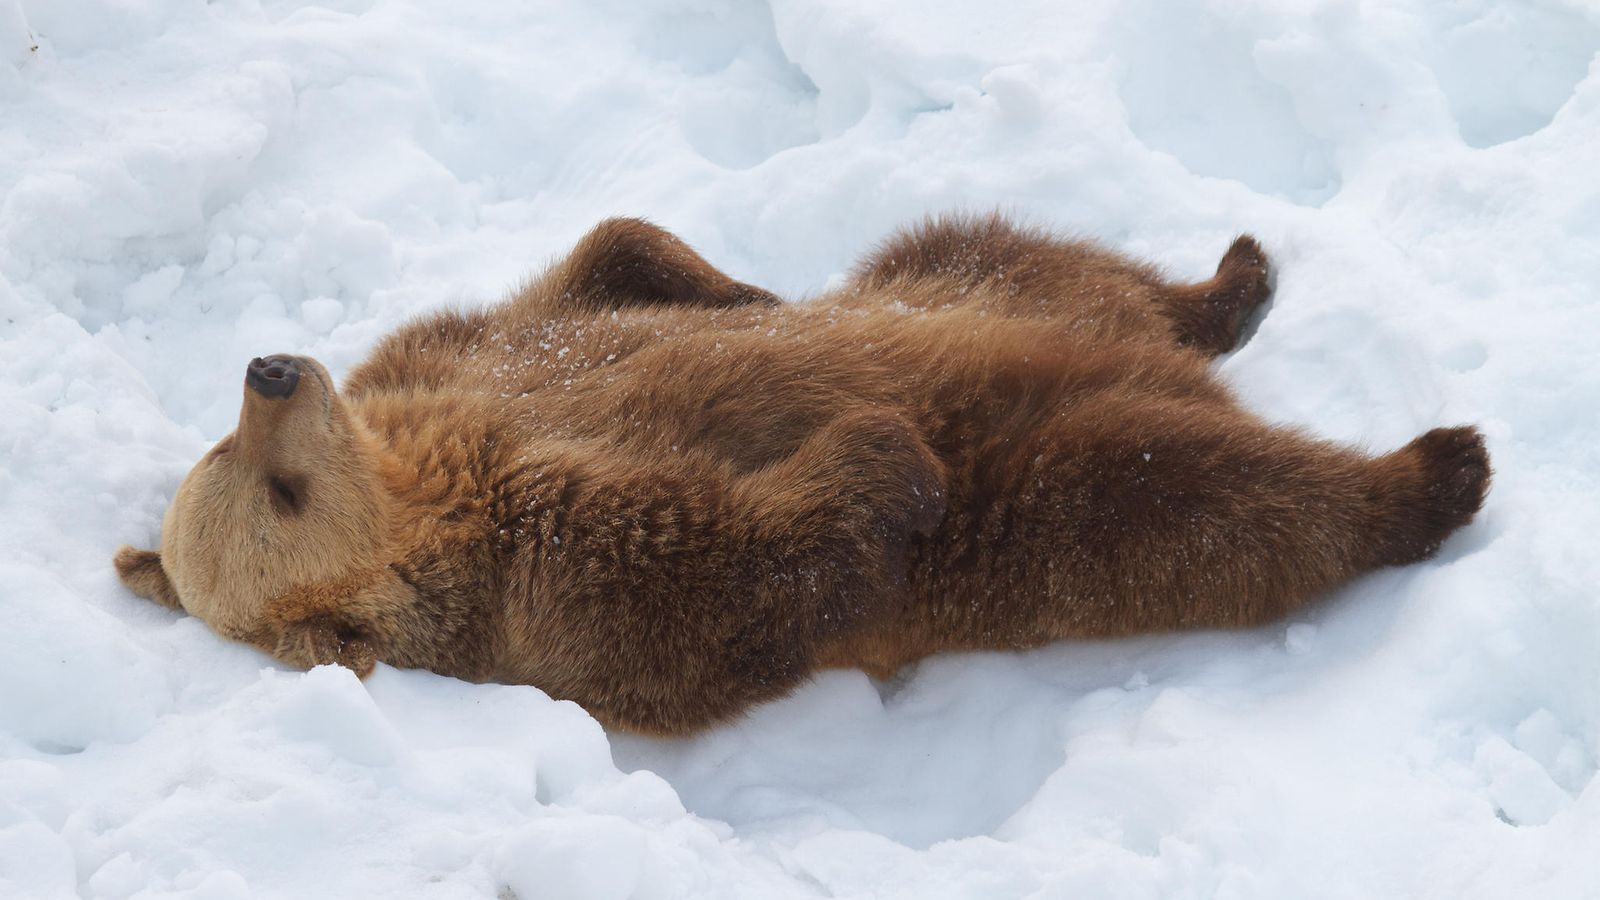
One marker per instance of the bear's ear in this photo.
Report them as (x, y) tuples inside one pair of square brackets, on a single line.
[(141, 571)]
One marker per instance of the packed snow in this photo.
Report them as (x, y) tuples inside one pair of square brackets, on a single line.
[(187, 184)]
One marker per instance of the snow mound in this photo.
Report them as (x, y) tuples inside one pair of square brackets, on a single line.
[(186, 185)]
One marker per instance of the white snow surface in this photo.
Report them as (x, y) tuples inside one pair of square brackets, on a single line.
[(187, 184)]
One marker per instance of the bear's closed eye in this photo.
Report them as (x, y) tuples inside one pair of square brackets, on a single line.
[(288, 492)]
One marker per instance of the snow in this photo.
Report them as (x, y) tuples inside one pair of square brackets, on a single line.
[(187, 184)]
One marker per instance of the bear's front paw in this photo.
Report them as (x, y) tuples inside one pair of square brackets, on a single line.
[(896, 482), (892, 470), (318, 643)]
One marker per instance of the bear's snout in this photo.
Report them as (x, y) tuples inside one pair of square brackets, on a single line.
[(275, 376)]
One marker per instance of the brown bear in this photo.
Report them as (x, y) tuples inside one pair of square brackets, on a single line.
[(659, 492)]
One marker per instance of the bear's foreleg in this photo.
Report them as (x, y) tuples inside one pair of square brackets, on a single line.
[(725, 589)]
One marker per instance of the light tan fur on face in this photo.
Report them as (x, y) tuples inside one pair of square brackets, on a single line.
[(646, 487), (291, 497)]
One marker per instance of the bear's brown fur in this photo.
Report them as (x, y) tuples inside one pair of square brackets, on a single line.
[(646, 487)]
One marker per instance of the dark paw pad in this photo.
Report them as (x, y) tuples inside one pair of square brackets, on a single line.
[(1458, 464), (1453, 467)]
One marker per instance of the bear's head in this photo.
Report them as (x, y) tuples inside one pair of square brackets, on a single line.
[(291, 499)]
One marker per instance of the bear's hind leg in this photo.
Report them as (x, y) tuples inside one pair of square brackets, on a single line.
[(1035, 273), (1131, 517), (1088, 292), (964, 248), (1210, 316)]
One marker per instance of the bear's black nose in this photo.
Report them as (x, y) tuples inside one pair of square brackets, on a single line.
[(274, 376)]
